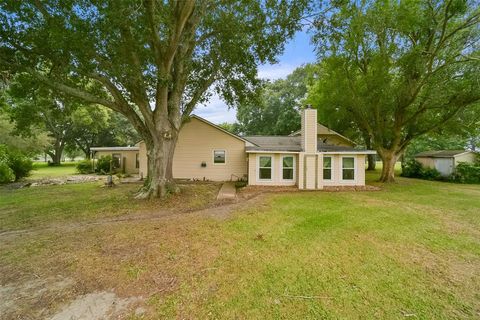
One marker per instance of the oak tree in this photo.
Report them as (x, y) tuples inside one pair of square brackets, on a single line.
[(152, 61), (399, 69)]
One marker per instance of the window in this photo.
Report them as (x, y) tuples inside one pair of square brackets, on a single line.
[(348, 168), (327, 168), (137, 161), (265, 168), (116, 160), (219, 156), (287, 168)]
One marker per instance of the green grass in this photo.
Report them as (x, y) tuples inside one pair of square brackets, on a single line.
[(409, 251), (41, 170)]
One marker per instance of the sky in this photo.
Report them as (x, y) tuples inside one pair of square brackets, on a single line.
[(297, 51)]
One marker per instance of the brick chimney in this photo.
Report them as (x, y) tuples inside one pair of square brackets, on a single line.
[(309, 129)]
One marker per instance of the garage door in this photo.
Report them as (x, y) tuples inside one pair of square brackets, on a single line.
[(444, 166)]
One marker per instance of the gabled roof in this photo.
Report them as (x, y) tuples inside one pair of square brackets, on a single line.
[(217, 127), (323, 130), (275, 143), (441, 153)]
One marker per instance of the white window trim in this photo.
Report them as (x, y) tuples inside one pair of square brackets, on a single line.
[(332, 159), (213, 157), (271, 168), (294, 168), (355, 166)]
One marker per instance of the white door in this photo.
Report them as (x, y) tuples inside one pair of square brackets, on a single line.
[(444, 166)]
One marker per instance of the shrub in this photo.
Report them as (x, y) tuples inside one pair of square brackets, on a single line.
[(103, 164), (14, 165), (6, 174), (20, 165), (467, 173), (414, 169), (84, 166)]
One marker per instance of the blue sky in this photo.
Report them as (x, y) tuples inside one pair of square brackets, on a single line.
[(297, 52)]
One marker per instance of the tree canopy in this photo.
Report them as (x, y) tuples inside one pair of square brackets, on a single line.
[(276, 109), (398, 69), (152, 61)]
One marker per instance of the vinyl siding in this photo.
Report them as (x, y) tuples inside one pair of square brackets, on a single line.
[(196, 142)]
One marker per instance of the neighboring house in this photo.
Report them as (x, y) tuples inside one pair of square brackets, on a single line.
[(445, 161), (312, 158)]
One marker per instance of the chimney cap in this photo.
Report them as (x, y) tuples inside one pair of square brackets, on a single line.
[(308, 106)]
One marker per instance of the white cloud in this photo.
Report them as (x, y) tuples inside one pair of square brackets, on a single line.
[(275, 71), (216, 111)]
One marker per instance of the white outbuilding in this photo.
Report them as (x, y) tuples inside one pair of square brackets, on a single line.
[(445, 161)]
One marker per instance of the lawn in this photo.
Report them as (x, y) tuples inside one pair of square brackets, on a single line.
[(410, 251), (42, 170)]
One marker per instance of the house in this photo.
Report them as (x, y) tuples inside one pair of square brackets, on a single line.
[(311, 158), (445, 161)]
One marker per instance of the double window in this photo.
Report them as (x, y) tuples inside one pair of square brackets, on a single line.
[(287, 167), (327, 168), (348, 168), (265, 168), (219, 157)]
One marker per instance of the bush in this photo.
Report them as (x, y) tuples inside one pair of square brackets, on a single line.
[(414, 169), (103, 165), (13, 165), (20, 164), (84, 166), (467, 173), (6, 174)]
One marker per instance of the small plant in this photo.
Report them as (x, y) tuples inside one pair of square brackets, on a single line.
[(84, 166), (240, 184)]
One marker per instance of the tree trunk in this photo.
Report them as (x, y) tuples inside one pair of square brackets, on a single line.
[(159, 159), (371, 158), (389, 159), (372, 163)]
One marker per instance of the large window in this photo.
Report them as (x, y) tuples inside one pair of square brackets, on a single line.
[(265, 168), (287, 167), (219, 156), (327, 168), (348, 168)]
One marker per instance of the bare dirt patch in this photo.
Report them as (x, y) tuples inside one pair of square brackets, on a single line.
[(95, 306)]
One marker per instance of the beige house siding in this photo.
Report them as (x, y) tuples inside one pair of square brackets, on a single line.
[(466, 157), (309, 133), (127, 162), (196, 142), (253, 175), (143, 159), (426, 162)]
